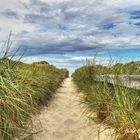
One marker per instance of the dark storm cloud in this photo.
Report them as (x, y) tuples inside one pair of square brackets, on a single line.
[(62, 48), (34, 18), (10, 14)]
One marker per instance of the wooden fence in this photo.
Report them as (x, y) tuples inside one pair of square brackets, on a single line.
[(131, 81)]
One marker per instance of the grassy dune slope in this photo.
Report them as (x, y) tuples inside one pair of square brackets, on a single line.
[(24, 88), (116, 106)]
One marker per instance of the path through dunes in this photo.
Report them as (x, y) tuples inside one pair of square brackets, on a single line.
[(64, 118)]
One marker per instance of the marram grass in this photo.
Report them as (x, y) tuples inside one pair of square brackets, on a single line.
[(116, 106), (23, 89)]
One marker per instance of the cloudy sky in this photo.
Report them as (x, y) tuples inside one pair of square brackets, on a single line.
[(65, 32)]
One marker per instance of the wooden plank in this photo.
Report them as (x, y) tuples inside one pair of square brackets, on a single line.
[(131, 81)]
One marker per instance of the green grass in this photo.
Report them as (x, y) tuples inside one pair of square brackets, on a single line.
[(24, 88), (116, 106)]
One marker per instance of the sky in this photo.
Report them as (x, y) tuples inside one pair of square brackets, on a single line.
[(66, 32)]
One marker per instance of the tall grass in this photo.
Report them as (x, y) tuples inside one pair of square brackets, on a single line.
[(116, 106), (24, 88)]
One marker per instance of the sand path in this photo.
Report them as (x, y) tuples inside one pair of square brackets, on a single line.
[(64, 118)]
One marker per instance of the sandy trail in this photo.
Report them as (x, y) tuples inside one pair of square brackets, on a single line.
[(63, 119)]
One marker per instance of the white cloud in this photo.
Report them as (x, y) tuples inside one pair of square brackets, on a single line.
[(83, 58), (68, 26)]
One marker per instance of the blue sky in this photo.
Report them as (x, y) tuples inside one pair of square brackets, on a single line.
[(66, 32)]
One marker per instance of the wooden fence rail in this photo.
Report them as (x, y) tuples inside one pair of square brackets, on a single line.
[(131, 81)]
